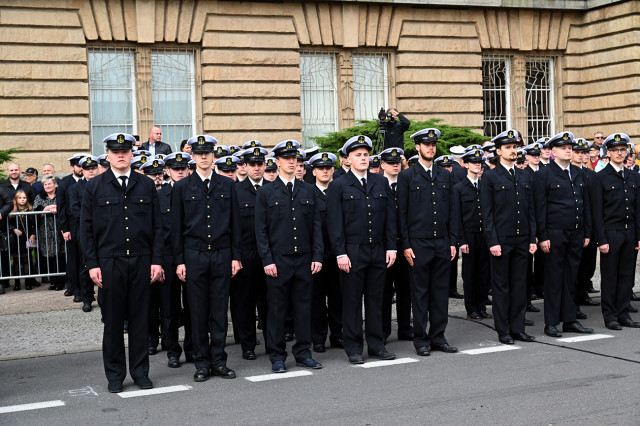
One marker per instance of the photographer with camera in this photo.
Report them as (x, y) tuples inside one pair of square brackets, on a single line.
[(394, 125)]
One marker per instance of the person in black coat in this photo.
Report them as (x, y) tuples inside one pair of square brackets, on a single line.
[(157, 147), (394, 129), (428, 239), (345, 166), (510, 230), (535, 267), (289, 240), (14, 183), (616, 228), (563, 223), (6, 205), (206, 247), (122, 247)]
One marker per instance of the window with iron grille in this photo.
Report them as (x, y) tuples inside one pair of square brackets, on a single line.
[(134, 88), (370, 85), (495, 94), (318, 97)]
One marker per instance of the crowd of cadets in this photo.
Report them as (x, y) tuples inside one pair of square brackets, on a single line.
[(304, 244)]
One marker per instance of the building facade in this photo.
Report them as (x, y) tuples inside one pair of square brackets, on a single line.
[(73, 71)]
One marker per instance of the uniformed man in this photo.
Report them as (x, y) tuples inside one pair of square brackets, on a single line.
[(192, 166), (155, 170), (458, 170), (374, 164), (616, 225), (138, 161), (221, 151), (363, 237), (234, 149), (413, 160), (545, 152), (427, 235), (271, 170), (89, 166), (241, 173), (533, 157), (510, 230), (476, 277), (300, 170), (326, 305), (249, 287), (227, 166), (289, 241), (397, 280), (308, 174), (563, 224), (143, 152), (173, 292), (521, 159), (345, 166), (103, 163), (206, 234), (122, 246)]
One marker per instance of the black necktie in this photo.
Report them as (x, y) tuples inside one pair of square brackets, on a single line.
[(621, 174), (124, 182), (257, 187), (290, 187), (364, 184), (394, 185), (324, 191), (513, 174), (206, 183), (567, 172), (429, 174), (475, 186)]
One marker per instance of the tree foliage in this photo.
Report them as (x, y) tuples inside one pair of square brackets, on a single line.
[(6, 156), (450, 136)]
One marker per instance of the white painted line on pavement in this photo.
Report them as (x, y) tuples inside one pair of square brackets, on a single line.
[(277, 376), (375, 364), (584, 338), (481, 351), (154, 391), (33, 406)]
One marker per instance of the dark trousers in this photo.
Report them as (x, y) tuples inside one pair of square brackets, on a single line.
[(586, 270), (453, 273), (561, 268), (87, 290), (154, 315), (535, 274), (476, 277), (208, 282), (74, 264), (430, 290), (326, 304), (398, 280), (617, 269), (294, 282), (365, 279), (125, 295), (508, 285), (248, 286), (170, 294)]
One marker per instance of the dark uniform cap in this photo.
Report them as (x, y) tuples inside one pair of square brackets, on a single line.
[(251, 144), (138, 161), (544, 142), (342, 154), (374, 161), (506, 137), (192, 164), (302, 155), (159, 156), (312, 151), (490, 156), (87, 162), (103, 161), (153, 167), (271, 165), (227, 164), (426, 135), (444, 161), (413, 160), (473, 156), (533, 149), (581, 145), (490, 147), (323, 159), (355, 142), (177, 160), (564, 138), (472, 147), (288, 148), (616, 139), (392, 155), (119, 141), (520, 157), (75, 159), (221, 151), (202, 143), (255, 154), (234, 149), (142, 152), (31, 171)]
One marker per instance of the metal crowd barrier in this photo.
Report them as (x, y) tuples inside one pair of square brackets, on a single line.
[(20, 254)]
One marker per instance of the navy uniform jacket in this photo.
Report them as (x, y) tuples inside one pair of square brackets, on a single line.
[(115, 224), (286, 224), (559, 204), (165, 196), (247, 203), (425, 207), (204, 218), (531, 171), (507, 208), (63, 202), (459, 172), (357, 217), (74, 198), (614, 203), (321, 201), (339, 172), (467, 209)]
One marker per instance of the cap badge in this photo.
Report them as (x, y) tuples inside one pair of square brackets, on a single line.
[(229, 161), (88, 160), (289, 145), (325, 156), (253, 143), (155, 163), (510, 134), (178, 157), (431, 133), (617, 138), (120, 138), (394, 153), (200, 140), (477, 153), (143, 159), (565, 137)]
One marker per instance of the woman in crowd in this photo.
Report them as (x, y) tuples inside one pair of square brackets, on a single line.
[(50, 243)]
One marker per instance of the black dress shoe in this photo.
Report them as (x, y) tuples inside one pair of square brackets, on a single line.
[(68, 293), (575, 327), (336, 342), (153, 350), (201, 375), (423, 351), (356, 359), (474, 316), (588, 302), (528, 323), (455, 295), (115, 386), (613, 325), (288, 337), (533, 296), (630, 308), (506, 339), (635, 297), (16, 287), (249, 355), (552, 331), (406, 336), (223, 371), (592, 290), (319, 347), (524, 337), (27, 286), (86, 307), (77, 299), (445, 347), (143, 382), (383, 355), (628, 322), (531, 308), (309, 363), (174, 362), (485, 315), (581, 315), (52, 287)]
